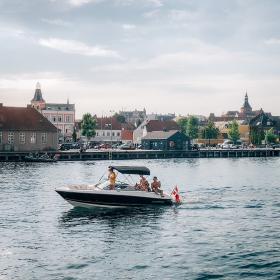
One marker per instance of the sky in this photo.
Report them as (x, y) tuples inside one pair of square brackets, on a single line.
[(169, 56)]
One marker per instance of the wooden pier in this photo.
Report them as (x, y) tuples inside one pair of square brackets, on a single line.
[(141, 154)]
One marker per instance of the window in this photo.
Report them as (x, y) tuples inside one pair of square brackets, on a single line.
[(68, 118), (1, 137), (113, 133), (11, 137), (33, 138), (97, 134), (103, 133), (22, 138), (59, 118), (44, 138), (108, 133), (118, 134), (53, 118)]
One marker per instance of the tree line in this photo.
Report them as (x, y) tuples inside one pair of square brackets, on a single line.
[(191, 127)]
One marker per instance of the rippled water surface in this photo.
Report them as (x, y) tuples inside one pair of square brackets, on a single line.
[(228, 226)]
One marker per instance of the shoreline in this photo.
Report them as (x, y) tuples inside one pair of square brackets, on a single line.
[(144, 154)]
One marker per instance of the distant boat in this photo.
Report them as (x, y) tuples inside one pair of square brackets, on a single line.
[(124, 194)]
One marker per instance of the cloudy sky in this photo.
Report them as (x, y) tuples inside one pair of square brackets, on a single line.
[(183, 56)]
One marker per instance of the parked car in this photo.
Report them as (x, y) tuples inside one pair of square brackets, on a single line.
[(104, 146), (228, 144), (75, 146), (65, 146), (195, 147), (127, 146), (115, 146)]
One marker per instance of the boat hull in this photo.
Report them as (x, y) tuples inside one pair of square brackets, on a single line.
[(113, 199)]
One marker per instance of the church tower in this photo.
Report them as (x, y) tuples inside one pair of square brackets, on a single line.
[(246, 109), (38, 102)]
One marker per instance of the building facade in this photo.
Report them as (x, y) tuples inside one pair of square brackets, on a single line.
[(61, 115), (25, 129), (165, 140), (260, 124), (108, 130), (152, 125)]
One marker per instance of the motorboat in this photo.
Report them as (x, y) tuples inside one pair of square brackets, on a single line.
[(125, 194)]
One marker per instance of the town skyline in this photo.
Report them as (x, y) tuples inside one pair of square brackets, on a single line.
[(108, 112), (124, 54)]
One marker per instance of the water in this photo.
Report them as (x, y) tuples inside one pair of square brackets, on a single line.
[(228, 227)]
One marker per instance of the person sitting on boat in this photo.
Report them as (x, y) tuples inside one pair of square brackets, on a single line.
[(144, 184), (156, 186), (112, 178)]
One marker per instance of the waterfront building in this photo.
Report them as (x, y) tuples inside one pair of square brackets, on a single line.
[(242, 117), (262, 123), (152, 125), (25, 129), (135, 117), (165, 140), (62, 115), (108, 130), (244, 130)]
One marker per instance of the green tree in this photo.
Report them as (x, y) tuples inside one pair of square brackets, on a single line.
[(270, 137), (88, 126), (182, 122), (210, 131), (189, 126), (192, 127), (233, 132), (74, 135), (256, 136)]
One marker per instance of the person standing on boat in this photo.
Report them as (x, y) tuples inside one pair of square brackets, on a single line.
[(112, 178), (156, 186)]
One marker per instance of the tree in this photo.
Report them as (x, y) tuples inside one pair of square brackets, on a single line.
[(210, 131), (182, 122), (270, 137), (74, 135), (192, 127), (233, 132), (88, 126), (257, 136), (189, 126)]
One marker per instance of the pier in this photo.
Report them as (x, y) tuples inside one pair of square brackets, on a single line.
[(145, 154)]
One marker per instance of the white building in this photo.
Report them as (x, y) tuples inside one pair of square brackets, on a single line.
[(61, 115), (108, 130), (150, 126)]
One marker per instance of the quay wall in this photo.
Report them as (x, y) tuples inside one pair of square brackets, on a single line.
[(140, 154)]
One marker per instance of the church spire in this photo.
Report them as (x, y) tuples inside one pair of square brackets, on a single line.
[(38, 94), (38, 102), (246, 108)]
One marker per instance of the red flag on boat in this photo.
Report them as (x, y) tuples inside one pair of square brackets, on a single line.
[(176, 195)]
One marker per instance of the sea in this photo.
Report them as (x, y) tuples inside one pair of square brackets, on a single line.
[(227, 227)]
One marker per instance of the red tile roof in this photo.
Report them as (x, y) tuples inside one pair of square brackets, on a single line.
[(105, 123), (156, 125), (24, 119)]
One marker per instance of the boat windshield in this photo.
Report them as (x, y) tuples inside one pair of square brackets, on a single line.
[(119, 185)]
